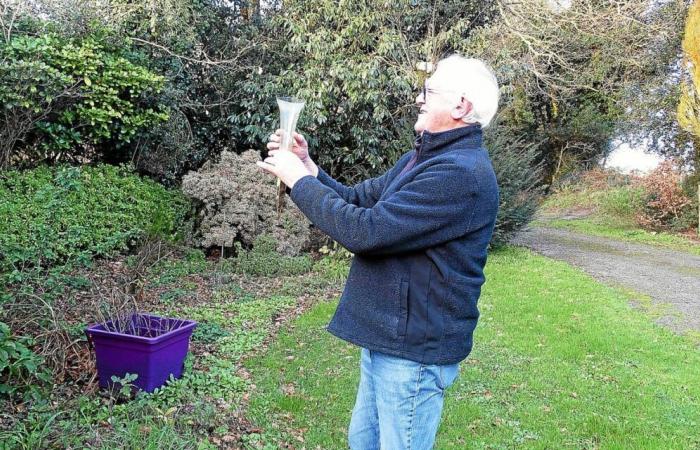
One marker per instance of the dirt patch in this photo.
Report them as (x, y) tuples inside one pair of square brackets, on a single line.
[(574, 213)]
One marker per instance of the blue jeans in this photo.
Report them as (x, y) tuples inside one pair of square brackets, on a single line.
[(399, 403)]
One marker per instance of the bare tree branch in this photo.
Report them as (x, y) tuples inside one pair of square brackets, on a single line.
[(206, 61)]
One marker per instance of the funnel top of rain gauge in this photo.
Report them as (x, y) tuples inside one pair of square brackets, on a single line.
[(289, 99)]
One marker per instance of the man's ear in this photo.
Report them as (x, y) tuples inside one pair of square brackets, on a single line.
[(463, 108)]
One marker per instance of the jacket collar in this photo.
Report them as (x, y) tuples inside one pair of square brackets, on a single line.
[(462, 137)]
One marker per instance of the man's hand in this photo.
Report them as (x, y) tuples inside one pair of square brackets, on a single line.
[(284, 165), (299, 147)]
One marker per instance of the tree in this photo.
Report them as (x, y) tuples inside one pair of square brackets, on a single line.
[(572, 70), (354, 62), (689, 104), (200, 48)]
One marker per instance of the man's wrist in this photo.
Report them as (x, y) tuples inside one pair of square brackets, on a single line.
[(311, 166)]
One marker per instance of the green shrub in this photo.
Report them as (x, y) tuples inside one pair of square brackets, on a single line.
[(53, 215), (19, 366), (519, 181), (69, 98), (689, 217), (263, 259)]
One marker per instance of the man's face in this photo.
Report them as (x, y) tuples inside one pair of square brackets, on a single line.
[(440, 108)]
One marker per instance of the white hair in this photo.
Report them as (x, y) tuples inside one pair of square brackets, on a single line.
[(477, 82)]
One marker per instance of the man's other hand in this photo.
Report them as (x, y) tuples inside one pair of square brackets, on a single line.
[(299, 145), (284, 165)]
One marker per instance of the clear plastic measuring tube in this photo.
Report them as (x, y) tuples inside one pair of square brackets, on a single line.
[(290, 109)]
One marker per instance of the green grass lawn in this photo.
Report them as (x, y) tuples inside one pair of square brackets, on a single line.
[(559, 361)]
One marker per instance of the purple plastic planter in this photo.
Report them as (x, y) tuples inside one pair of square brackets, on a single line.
[(154, 348)]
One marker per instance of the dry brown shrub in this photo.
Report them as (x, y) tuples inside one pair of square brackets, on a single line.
[(238, 203), (666, 202)]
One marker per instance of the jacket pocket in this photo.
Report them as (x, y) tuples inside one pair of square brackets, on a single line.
[(461, 310), (403, 309)]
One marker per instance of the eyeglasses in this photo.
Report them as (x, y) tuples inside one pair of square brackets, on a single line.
[(426, 90)]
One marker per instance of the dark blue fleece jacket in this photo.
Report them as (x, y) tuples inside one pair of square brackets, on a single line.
[(419, 241)]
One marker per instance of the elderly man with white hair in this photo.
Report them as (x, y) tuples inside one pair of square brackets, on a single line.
[(419, 234)]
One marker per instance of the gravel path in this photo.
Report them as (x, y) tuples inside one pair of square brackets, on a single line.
[(669, 277)]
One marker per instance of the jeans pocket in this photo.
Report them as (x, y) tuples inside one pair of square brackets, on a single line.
[(447, 374)]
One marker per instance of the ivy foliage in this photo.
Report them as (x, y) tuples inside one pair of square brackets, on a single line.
[(53, 215)]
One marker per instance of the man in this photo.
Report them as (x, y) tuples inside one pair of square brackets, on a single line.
[(419, 234)]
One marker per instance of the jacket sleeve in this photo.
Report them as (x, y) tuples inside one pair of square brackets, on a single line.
[(364, 194), (436, 206)]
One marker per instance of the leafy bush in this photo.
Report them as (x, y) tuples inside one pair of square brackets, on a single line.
[(237, 204), (342, 59), (67, 98), (354, 64), (665, 203), (689, 218), (53, 215), (19, 366), (520, 188)]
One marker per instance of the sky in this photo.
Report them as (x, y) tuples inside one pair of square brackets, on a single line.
[(560, 4), (626, 159)]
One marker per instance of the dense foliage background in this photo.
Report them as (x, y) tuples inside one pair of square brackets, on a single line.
[(108, 105), (168, 84)]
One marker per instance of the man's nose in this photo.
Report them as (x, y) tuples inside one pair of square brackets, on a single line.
[(419, 99)]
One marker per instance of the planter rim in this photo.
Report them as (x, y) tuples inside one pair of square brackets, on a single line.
[(99, 330)]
